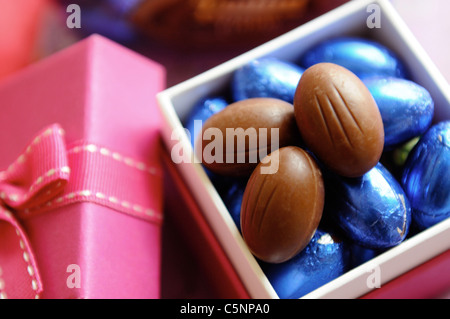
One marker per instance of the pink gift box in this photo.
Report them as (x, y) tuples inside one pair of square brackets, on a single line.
[(103, 93)]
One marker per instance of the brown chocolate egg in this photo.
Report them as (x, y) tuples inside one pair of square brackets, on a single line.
[(282, 204), (233, 141), (338, 119)]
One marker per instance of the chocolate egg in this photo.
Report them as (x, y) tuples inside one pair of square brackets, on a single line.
[(266, 77), (361, 56), (372, 210), (426, 177), (233, 141), (324, 259), (282, 208), (338, 119), (406, 108), (202, 111)]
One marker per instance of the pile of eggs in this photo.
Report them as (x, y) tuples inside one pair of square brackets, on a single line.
[(338, 195)]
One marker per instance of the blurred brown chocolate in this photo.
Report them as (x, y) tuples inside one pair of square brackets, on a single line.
[(200, 23)]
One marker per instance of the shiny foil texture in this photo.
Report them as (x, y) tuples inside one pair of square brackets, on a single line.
[(406, 108), (266, 77), (232, 198), (426, 177), (361, 56), (373, 210), (203, 110), (322, 260), (359, 254)]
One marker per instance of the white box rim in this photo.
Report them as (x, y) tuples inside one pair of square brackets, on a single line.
[(342, 286)]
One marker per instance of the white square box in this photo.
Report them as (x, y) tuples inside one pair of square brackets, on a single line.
[(349, 19)]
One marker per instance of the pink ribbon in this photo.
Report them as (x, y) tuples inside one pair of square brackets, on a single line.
[(48, 175)]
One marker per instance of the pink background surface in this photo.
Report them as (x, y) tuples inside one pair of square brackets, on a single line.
[(429, 22)]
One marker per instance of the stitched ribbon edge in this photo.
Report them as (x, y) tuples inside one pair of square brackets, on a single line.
[(147, 213), (123, 205), (27, 256)]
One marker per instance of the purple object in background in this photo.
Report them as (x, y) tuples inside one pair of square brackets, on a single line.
[(109, 18)]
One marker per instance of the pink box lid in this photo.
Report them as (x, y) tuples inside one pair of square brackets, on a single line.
[(103, 93), (96, 89)]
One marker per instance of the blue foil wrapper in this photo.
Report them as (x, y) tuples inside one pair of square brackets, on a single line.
[(361, 56), (426, 177), (109, 18), (266, 77), (406, 108), (359, 254), (372, 210), (232, 198), (202, 111), (322, 260)]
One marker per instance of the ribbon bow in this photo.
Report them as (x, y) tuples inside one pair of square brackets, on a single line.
[(48, 175)]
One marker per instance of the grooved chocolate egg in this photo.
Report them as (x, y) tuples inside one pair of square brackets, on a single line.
[(338, 119), (234, 140), (281, 208)]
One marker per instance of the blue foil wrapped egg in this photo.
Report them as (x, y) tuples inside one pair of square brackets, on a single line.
[(322, 260), (266, 77), (359, 254), (232, 197), (406, 108), (372, 210), (426, 177), (202, 111), (361, 56)]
